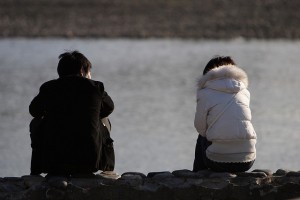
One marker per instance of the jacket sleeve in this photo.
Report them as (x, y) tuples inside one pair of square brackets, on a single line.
[(107, 106), (201, 116), (37, 105)]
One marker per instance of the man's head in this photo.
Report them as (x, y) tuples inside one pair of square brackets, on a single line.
[(73, 63), (217, 62)]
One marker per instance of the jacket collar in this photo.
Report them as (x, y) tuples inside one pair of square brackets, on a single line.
[(224, 72)]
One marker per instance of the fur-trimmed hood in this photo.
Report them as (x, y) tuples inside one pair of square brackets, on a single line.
[(227, 78)]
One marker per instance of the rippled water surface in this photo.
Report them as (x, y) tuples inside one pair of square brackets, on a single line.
[(153, 85)]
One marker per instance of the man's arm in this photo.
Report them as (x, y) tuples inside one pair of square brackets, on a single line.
[(107, 106), (36, 107)]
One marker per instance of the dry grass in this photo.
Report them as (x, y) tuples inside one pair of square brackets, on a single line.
[(213, 19)]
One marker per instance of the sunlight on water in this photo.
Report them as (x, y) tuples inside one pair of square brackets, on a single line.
[(153, 85)]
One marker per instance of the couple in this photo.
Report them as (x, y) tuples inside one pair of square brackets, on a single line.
[(74, 139)]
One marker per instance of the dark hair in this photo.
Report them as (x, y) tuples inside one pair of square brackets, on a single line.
[(217, 62), (71, 63)]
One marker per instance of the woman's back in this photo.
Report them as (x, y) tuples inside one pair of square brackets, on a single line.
[(223, 116)]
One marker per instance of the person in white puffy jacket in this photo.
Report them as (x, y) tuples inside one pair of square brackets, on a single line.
[(226, 141)]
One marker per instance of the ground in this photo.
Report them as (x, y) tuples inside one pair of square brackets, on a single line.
[(213, 19)]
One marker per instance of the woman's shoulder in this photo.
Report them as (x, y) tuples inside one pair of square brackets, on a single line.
[(205, 94)]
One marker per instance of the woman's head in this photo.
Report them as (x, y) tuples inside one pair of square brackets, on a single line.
[(217, 62)]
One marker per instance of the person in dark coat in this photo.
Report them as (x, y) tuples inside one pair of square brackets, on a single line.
[(68, 139)]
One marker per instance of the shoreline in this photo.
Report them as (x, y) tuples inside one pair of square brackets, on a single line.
[(205, 19)]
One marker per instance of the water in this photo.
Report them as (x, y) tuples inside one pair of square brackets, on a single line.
[(153, 85)]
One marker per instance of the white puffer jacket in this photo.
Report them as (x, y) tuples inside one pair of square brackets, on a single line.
[(232, 135)]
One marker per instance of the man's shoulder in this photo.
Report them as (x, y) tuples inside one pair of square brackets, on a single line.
[(73, 82), (98, 84), (49, 84)]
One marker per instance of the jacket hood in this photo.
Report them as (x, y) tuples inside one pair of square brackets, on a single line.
[(227, 78)]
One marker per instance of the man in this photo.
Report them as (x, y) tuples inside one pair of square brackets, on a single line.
[(69, 139)]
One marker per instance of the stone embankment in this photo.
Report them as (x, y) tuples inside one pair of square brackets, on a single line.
[(180, 184)]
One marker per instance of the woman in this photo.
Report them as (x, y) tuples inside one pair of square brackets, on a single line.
[(227, 139)]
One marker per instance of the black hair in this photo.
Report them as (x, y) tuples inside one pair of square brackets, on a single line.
[(217, 62), (73, 63)]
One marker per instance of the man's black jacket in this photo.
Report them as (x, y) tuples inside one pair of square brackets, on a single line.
[(71, 108)]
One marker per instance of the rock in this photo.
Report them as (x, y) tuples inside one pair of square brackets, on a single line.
[(59, 182), (75, 192), (268, 172), (10, 188), (55, 194), (150, 186), (12, 185), (215, 184), (224, 175), (184, 173), (240, 181), (288, 191), (194, 182), (171, 182), (134, 174), (252, 174), (130, 179), (281, 172), (293, 174), (101, 181), (84, 182), (205, 173), (12, 179), (180, 184), (164, 173), (32, 180)]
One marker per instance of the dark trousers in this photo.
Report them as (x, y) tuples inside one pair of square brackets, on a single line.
[(201, 161), (36, 145), (106, 161)]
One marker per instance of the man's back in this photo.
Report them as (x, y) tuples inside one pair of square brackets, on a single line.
[(71, 108)]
